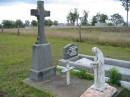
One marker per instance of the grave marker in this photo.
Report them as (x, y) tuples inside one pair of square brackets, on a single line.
[(70, 50), (40, 13), (42, 68)]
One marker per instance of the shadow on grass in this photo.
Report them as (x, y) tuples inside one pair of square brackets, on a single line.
[(3, 94)]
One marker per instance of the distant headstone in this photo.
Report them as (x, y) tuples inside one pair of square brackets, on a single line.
[(42, 68), (70, 50)]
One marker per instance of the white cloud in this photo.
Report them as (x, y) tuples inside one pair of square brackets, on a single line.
[(60, 8), (16, 11)]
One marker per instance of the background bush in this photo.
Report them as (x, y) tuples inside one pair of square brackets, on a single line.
[(114, 76), (82, 74)]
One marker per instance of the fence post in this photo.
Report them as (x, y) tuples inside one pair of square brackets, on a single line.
[(18, 31), (2, 29), (80, 36)]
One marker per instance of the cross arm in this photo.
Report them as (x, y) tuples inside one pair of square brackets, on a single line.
[(34, 12)]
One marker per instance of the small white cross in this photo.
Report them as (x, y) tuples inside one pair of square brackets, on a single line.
[(67, 71)]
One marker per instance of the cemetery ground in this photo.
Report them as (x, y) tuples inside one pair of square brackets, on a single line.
[(15, 61)]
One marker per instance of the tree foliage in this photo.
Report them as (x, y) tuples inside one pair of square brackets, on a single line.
[(73, 17), (94, 20), (8, 24), (34, 23), (0, 25), (84, 19), (117, 19), (126, 5), (48, 22), (101, 18), (27, 23), (19, 24), (12, 24), (55, 23)]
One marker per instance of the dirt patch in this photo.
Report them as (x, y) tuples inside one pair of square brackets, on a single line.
[(3, 94)]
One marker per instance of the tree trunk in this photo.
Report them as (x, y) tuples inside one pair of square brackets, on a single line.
[(18, 31), (2, 29), (127, 19)]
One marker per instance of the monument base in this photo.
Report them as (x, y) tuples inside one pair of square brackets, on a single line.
[(42, 68), (108, 92), (42, 75)]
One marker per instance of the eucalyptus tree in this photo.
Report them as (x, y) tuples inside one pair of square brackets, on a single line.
[(8, 23), (27, 23), (84, 19), (126, 5), (117, 19), (73, 17), (34, 23), (99, 18), (19, 23)]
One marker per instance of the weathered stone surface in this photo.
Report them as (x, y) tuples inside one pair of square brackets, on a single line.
[(41, 56), (99, 70), (42, 67), (40, 13), (70, 50), (58, 86), (108, 92)]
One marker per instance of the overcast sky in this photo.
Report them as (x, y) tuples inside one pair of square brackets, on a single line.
[(20, 9)]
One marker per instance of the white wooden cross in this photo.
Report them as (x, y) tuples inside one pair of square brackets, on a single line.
[(67, 71)]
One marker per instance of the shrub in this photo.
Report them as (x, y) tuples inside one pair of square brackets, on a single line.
[(82, 74), (114, 76)]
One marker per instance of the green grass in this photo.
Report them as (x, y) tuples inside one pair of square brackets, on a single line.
[(124, 93), (82, 74), (114, 76), (15, 61)]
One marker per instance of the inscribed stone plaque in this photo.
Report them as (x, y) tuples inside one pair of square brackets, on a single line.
[(70, 50)]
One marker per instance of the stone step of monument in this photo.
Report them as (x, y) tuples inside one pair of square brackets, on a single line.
[(125, 72)]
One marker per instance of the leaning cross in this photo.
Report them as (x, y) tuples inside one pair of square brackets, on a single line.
[(40, 13), (67, 71)]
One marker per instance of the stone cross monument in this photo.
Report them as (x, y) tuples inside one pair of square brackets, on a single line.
[(40, 14), (42, 68), (99, 70)]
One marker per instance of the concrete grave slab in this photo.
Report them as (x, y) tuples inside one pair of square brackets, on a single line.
[(108, 92), (58, 86)]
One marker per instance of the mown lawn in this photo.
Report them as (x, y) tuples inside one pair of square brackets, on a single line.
[(15, 61)]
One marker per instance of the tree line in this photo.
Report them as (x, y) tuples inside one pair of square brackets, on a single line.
[(20, 24), (73, 17)]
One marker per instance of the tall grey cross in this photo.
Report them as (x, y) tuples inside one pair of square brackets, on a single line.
[(40, 13)]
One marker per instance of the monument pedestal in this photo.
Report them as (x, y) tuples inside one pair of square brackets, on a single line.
[(108, 92), (42, 68)]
